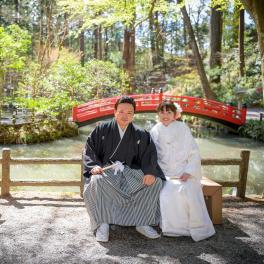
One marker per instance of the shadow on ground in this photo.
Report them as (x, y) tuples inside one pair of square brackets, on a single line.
[(56, 230), (225, 247)]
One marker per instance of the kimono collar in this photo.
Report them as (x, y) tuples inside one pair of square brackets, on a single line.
[(173, 123), (121, 131), (116, 128)]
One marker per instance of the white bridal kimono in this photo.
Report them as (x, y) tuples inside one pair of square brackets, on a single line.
[(182, 205)]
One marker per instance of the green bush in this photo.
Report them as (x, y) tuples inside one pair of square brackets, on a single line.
[(53, 91), (253, 129), (14, 45), (230, 80), (40, 131)]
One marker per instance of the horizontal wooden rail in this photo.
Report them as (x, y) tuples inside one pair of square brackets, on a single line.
[(46, 183), (229, 183), (7, 161), (47, 161), (207, 162)]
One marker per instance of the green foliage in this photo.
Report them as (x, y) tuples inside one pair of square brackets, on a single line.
[(96, 79), (41, 131), (14, 45), (143, 61), (116, 58), (254, 97), (230, 81), (67, 76), (186, 83), (223, 4), (104, 79), (253, 129), (109, 12), (54, 91)]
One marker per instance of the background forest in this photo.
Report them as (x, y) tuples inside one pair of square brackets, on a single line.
[(54, 54)]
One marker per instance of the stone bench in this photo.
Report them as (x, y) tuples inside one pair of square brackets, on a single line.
[(213, 198)]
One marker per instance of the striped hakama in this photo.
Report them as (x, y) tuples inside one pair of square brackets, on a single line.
[(122, 199)]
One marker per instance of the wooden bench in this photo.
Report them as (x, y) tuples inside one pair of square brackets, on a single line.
[(213, 198)]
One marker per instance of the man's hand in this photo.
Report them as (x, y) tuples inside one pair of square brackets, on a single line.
[(96, 170), (149, 179), (185, 176)]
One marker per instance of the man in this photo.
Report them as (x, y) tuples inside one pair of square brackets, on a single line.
[(124, 195)]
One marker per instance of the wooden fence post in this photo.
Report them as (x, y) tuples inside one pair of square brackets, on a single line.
[(243, 171), (81, 187), (5, 172)]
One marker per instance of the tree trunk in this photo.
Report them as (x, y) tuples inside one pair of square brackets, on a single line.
[(98, 43), (216, 24), (49, 28), (41, 30), (235, 27), (129, 53), (209, 94), (129, 48), (106, 46), (241, 43), (256, 9), (65, 37), (159, 40), (152, 40), (185, 41), (95, 43), (82, 47), (152, 34), (17, 12)]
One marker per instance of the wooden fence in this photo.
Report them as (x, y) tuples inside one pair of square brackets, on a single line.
[(7, 161)]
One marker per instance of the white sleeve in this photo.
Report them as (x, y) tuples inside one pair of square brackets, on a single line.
[(193, 166), (154, 134)]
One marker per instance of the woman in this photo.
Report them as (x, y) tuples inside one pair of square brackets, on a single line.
[(183, 210)]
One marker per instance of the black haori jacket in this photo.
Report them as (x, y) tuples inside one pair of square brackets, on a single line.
[(136, 150)]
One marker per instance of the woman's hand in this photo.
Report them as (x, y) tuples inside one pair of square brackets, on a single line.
[(185, 176)]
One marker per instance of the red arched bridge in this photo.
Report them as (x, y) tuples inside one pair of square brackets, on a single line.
[(99, 109)]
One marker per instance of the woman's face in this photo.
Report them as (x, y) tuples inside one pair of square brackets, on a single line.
[(166, 116)]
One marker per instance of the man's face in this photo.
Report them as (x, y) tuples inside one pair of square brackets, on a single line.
[(124, 114)]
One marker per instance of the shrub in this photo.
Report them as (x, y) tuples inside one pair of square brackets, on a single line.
[(253, 129)]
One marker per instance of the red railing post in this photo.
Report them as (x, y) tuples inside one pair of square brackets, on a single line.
[(230, 111), (74, 113), (243, 115), (152, 96), (160, 95)]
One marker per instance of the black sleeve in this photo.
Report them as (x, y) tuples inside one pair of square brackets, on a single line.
[(148, 156), (91, 151)]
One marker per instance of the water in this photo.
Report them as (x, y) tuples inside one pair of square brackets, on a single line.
[(227, 146)]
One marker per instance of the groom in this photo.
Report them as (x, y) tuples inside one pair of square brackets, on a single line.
[(125, 195)]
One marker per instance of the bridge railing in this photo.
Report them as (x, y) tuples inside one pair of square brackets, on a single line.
[(149, 102), (7, 161)]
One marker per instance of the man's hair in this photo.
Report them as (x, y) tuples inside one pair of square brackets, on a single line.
[(126, 100), (167, 105)]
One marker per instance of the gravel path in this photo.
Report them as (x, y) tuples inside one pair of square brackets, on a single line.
[(56, 230)]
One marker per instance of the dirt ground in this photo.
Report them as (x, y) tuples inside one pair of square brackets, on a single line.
[(37, 229)]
